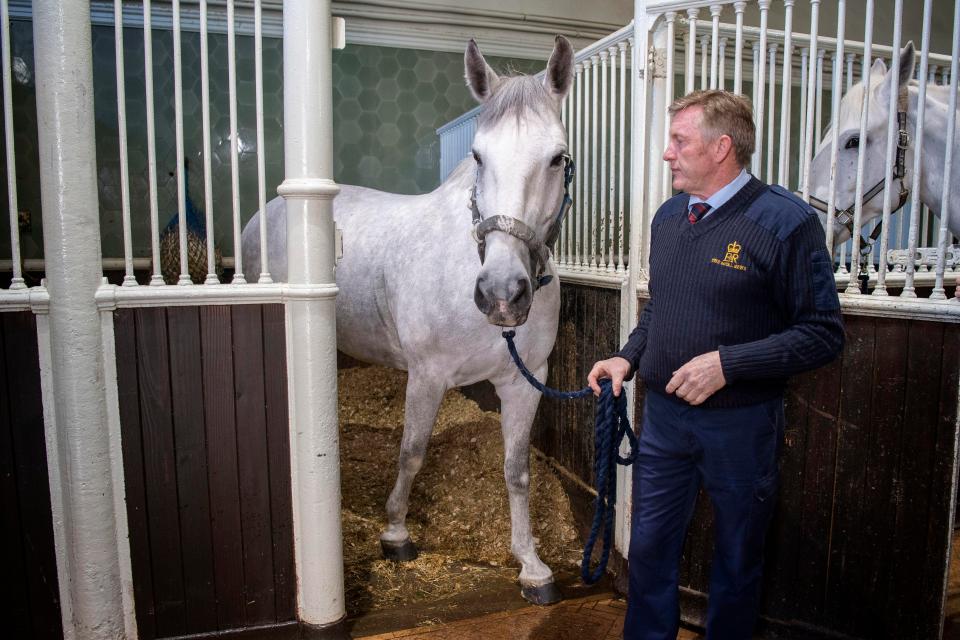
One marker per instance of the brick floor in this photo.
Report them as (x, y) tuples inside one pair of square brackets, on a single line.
[(591, 618)]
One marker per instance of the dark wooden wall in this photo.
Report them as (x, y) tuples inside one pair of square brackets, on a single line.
[(589, 331), (859, 542), (29, 591), (203, 408)]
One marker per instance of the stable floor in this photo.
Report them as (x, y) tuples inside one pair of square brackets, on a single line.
[(598, 617)]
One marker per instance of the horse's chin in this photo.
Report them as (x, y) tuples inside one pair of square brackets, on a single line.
[(504, 314)]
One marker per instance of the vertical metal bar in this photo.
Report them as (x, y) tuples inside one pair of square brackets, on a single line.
[(722, 64), (804, 60), (261, 148), (156, 279), (602, 210), (783, 169), (668, 95), (17, 281), (852, 285), (238, 276), (178, 128), (715, 10), (561, 254), (819, 119), (811, 97), (128, 278), (835, 95), (926, 214), (772, 122), (704, 61), (938, 290), (611, 195), (881, 289), (691, 49), (594, 158), (759, 88), (622, 46), (207, 147), (581, 181), (738, 8)]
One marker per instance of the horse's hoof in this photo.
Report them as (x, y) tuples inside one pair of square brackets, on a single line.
[(399, 551), (543, 595)]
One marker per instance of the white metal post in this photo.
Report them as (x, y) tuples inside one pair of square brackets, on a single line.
[(309, 190), (83, 463)]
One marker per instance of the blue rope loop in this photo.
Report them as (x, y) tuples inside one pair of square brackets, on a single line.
[(612, 426)]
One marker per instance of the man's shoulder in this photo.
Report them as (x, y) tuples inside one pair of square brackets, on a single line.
[(779, 211), (674, 206)]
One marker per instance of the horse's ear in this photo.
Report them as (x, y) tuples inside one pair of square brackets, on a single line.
[(559, 76), (907, 61), (480, 77)]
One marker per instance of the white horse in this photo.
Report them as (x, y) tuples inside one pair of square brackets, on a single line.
[(411, 282), (875, 166)]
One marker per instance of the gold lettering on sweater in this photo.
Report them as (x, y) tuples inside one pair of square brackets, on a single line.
[(732, 258)]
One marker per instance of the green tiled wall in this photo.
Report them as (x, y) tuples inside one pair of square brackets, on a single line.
[(388, 104)]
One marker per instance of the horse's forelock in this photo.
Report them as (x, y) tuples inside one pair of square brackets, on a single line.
[(514, 96)]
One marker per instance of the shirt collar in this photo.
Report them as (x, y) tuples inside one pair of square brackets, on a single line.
[(721, 197)]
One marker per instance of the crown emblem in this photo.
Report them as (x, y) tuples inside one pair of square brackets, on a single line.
[(733, 252)]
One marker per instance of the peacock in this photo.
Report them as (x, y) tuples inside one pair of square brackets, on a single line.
[(196, 242)]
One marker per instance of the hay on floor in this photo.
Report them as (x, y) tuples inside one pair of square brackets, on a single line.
[(459, 513)]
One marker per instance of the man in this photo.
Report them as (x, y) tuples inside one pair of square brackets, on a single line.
[(742, 296)]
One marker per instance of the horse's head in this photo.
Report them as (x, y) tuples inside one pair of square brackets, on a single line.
[(849, 145), (520, 151)]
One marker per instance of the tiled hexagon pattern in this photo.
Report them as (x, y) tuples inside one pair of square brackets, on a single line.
[(388, 104)]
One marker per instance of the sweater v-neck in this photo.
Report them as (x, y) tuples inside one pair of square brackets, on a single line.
[(737, 203)]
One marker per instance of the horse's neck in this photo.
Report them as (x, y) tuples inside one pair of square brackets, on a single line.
[(932, 167)]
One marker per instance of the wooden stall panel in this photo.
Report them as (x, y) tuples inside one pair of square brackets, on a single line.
[(29, 592), (204, 417), (859, 542)]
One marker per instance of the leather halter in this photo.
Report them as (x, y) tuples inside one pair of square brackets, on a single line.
[(539, 250), (845, 216)]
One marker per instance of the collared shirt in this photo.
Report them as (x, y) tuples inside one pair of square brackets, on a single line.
[(720, 198)]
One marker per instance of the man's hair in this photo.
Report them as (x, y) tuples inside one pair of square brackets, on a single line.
[(724, 113)]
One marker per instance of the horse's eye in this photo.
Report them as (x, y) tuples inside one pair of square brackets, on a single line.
[(476, 156), (852, 143), (557, 160)]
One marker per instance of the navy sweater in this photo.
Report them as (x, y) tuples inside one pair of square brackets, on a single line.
[(754, 280)]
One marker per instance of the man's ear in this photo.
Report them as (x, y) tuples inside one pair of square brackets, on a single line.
[(723, 148)]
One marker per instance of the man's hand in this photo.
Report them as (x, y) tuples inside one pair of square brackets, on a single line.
[(615, 368), (698, 379)]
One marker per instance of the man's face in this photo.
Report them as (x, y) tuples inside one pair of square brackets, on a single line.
[(691, 158)]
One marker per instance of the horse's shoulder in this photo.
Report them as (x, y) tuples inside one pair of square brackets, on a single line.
[(779, 211)]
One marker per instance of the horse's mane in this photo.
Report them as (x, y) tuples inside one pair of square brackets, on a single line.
[(514, 95)]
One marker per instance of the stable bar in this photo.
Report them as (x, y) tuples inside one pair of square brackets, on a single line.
[(261, 148), (783, 169), (722, 64), (715, 10), (938, 292), (178, 133), (610, 220), (771, 122), (17, 281), (804, 61), (853, 285), (207, 150), (581, 179), (812, 88), (881, 288), (738, 8), (668, 95), (602, 210), (128, 279), (238, 277), (156, 279), (622, 46), (835, 96), (594, 211), (691, 51)]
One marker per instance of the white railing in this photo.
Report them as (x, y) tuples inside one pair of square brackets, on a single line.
[(141, 253)]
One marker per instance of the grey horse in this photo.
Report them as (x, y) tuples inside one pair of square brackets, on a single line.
[(415, 294)]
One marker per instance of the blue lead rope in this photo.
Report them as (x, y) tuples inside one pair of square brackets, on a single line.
[(612, 425)]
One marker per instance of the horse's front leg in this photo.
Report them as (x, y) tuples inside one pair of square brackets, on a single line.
[(518, 405), (424, 395)]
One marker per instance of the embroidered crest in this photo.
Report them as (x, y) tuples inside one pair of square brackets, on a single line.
[(732, 257)]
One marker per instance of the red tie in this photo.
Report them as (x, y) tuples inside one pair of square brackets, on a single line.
[(697, 211)]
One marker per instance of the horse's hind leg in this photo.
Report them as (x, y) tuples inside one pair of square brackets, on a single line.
[(518, 405), (423, 400)]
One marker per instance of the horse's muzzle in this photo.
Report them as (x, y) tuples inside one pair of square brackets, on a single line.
[(504, 307)]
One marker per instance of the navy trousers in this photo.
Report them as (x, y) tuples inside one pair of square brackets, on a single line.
[(734, 453)]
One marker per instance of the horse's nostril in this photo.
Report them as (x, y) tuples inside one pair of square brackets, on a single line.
[(520, 292), (480, 298)]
